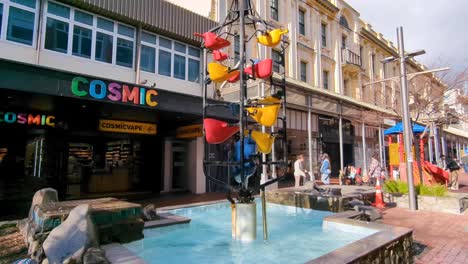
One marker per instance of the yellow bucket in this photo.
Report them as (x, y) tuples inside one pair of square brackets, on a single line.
[(264, 141), (265, 115), (271, 38), (220, 73)]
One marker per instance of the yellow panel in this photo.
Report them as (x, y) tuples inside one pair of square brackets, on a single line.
[(127, 127)]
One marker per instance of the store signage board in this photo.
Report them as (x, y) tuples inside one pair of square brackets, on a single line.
[(389, 122), (128, 127), (27, 119), (113, 92), (192, 131)]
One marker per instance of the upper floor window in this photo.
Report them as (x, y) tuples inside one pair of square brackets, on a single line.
[(344, 39), (274, 9), (303, 71), (18, 21), (324, 34), (325, 78), (169, 58), (277, 60), (360, 54), (81, 34), (301, 22), (344, 22), (373, 64)]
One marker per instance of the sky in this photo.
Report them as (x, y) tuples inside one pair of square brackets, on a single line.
[(438, 26)]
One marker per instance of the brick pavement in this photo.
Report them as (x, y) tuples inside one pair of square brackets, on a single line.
[(446, 235)]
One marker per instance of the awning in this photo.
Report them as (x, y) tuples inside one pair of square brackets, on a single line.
[(398, 129)]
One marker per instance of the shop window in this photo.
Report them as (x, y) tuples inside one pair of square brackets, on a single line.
[(174, 59), (105, 24), (104, 47), (164, 64), (56, 35), (28, 3), (179, 67), (148, 55), (20, 26), (149, 38), (124, 53), (58, 10), (82, 39), (165, 43), (125, 46), (84, 18), (194, 70)]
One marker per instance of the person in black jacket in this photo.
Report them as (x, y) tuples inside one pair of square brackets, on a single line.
[(452, 167)]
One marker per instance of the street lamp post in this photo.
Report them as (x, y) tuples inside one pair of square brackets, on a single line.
[(407, 127)]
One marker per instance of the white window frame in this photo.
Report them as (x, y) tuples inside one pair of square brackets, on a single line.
[(322, 31), (173, 52), (151, 45), (71, 24), (6, 13), (301, 62), (327, 73), (301, 10)]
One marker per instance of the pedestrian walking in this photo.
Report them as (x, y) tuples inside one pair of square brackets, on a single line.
[(299, 171), (452, 167), (375, 170), (325, 169)]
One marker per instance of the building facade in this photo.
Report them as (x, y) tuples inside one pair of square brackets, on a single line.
[(99, 98), (338, 88)]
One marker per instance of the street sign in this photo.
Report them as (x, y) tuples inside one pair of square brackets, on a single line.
[(389, 122)]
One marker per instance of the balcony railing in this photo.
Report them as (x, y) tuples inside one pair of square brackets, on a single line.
[(349, 57)]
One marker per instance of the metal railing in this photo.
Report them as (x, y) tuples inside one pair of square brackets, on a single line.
[(349, 57)]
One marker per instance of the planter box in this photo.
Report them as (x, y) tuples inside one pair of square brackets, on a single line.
[(453, 203)]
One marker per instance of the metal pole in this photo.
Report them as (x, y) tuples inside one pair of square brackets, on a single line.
[(264, 177), (340, 128), (407, 129), (436, 145), (309, 135), (364, 151), (242, 88), (381, 149), (431, 152), (265, 226)]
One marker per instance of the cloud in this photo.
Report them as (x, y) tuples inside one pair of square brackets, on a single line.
[(437, 26)]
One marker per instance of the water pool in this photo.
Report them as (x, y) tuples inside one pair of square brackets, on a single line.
[(295, 236)]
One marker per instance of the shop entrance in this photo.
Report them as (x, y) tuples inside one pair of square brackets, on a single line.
[(180, 165)]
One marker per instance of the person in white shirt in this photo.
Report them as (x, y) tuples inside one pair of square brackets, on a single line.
[(299, 170)]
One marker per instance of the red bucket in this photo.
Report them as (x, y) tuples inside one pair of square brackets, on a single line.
[(235, 77), (218, 131), (219, 56), (212, 41), (263, 69)]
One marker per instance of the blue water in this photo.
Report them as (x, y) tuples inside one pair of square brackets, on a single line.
[(295, 236)]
